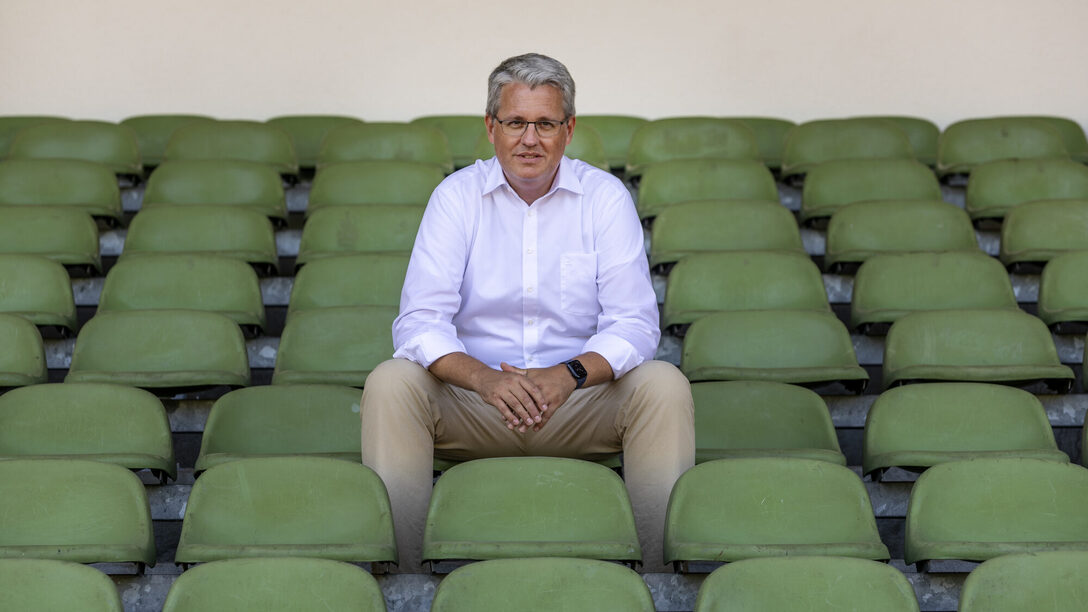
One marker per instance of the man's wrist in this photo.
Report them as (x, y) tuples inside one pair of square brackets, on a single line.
[(577, 372)]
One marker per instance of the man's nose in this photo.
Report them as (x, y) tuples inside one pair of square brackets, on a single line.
[(529, 136)]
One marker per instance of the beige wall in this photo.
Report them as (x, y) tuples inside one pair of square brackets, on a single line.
[(941, 59)]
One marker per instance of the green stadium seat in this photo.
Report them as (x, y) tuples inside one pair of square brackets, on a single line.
[(1045, 581), (924, 135), (1033, 233), (689, 138), (11, 124), (919, 426), (109, 144), (1063, 291), (38, 289), (978, 509), (862, 230), (966, 144), (746, 418), (462, 132), (972, 346), (227, 182), (616, 132), (153, 132), (824, 140), (270, 421), (334, 346), (242, 140), (813, 584), (771, 134), (478, 511), (74, 510), (288, 507), (542, 585), (834, 184), (1073, 137), (387, 141), (130, 348), (84, 185), (888, 287), (342, 230), (65, 235), (996, 187), (47, 585), (722, 225), (22, 362), (373, 182), (349, 280), (668, 183), (733, 509), (587, 145), (308, 133), (111, 423)]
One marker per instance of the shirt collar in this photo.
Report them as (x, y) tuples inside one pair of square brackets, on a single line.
[(565, 178)]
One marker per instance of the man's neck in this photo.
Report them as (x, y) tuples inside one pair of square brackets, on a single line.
[(532, 192)]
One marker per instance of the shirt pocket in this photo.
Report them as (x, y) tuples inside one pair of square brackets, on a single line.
[(578, 283)]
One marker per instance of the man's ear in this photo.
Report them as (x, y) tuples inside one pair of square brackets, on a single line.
[(570, 128), (490, 124)]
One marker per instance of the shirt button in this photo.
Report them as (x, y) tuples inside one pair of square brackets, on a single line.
[(532, 213), (530, 290), (530, 251), (529, 322)]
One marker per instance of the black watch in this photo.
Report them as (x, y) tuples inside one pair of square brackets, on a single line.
[(577, 371)]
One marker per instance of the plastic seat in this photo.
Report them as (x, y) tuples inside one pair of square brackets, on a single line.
[(862, 230), (1063, 291), (966, 144), (771, 136), (153, 132), (22, 362), (335, 346), (387, 141), (462, 132), (11, 124), (227, 182), (790, 346), (343, 230), (978, 509), (834, 184), (721, 225), (478, 510), (1033, 233), (824, 140), (98, 141), (130, 348), (1073, 137), (46, 585), (275, 583), (111, 423), (888, 287), (733, 509), (373, 182), (349, 280), (689, 138), (665, 184), (269, 421), (83, 185), (205, 230), (74, 510), (1045, 581), (586, 145), (616, 132), (919, 426), (762, 419), (813, 584), (38, 289), (542, 585), (308, 133), (288, 507), (924, 135), (996, 187), (972, 346), (705, 283), (242, 140), (67, 236), (192, 282)]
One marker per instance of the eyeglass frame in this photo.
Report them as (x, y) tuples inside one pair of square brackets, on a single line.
[(536, 126)]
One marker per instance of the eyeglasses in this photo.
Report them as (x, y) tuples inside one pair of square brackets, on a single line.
[(517, 127)]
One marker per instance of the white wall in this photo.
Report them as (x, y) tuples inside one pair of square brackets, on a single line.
[(940, 59)]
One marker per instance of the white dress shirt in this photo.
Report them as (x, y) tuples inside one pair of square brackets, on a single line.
[(529, 285)]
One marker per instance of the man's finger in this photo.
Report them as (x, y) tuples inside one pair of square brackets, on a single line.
[(506, 367), (537, 398)]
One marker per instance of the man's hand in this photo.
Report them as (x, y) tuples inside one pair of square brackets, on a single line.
[(520, 401), (555, 384)]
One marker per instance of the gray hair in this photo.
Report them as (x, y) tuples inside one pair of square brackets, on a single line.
[(532, 69)]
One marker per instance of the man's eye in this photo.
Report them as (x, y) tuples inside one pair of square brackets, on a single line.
[(547, 125), (517, 125)]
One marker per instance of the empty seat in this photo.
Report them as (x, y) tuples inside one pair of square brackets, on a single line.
[(84, 185), (22, 362), (243, 140), (722, 225), (98, 141), (542, 585), (228, 182), (160, 349), (38, 289), (996, 187), (112, 423), (1063, 291), (1044, 581), (689, 138), (824, 140), (966, 144), (859, 231), (813, 584), (478, 510), (668, 183), (586, 145), (771, 136), (616, 132), (973, 346), (1073, 137), (308, 133), (978, 509), (342, 230), (888, 287), (337, 346), (373, 182), (74, 510), (349, 280), (267, 421), (153, 132), (918, 426), (924, 136), (462, 132), (1033, 233), (387, 141), (762, 419), (288, 507), (733, 509), (11, 124), (834, 184), (791, 346), (45, 585), (65, 235)]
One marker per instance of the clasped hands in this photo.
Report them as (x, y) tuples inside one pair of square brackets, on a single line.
[(526, 398)]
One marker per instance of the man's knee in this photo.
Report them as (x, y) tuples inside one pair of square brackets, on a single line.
[(660, 378), (396, 383)]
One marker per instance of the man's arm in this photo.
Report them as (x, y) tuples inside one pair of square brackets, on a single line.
[(519, 399)]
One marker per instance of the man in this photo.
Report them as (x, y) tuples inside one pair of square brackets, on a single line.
[(527, 322)]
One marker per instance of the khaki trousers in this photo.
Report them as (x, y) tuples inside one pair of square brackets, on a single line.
[(410, 417)]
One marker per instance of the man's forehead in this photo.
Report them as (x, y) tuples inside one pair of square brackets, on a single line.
[(522, 98)]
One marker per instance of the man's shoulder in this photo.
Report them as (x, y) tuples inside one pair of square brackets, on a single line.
[(593, 178), (470, 178)]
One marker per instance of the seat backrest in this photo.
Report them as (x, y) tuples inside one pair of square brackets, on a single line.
[(387, 141), (231, 182), (771, 136), (338, 346), (1036, 232), (243, 140), (367, 279), (924, 135), (616, 132), (722, 225), (462, 132), (154, 131), (308, 133), (1046, 581), (689, 138), (342, 230), (66, 235), (1073, 137), (968, 143), (586, 145), (672, 182), (88, 186), (98, 141), (373, 182), (824, 140), (11, 124), (42, 585), (831, 185), (37, 288), (22, 362), (1063, 289), (998, 186)]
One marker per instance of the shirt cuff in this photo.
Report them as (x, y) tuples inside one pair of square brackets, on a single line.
[(427, 347), (619, 353)]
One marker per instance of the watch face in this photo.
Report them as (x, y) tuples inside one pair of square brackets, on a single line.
[(577, 369)]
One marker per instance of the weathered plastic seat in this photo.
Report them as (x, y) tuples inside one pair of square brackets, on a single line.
[(859, 231), (342, 230), (972, 346), (542, 585), (742, 280), (373, 182), (919, 426), (733, 509), (65, 235), (790, 346), (762, 419), (1033, 233), (616, 132), (243, 140), (387, 141), (586, 145), (824, 140), (84, 185), (462, 132), (996, 187), (813, 584), (349, 280), (771, 136), (924, 135), (192, 282), (308, 133), (98, 141), (46, 585), (38, 289), (1073, 137), (668, 183), (966, 144), (153, 132), (11, 124), (1045, 581), (74, 510), (22, 362), (888, 287), (335, 346), (1063, 291), (722, 225), (228, 182), (834, 184), (689, 138), (160, 349), (478, 510), (978, 509), (111, 423), (279, 420), (288, 507)]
